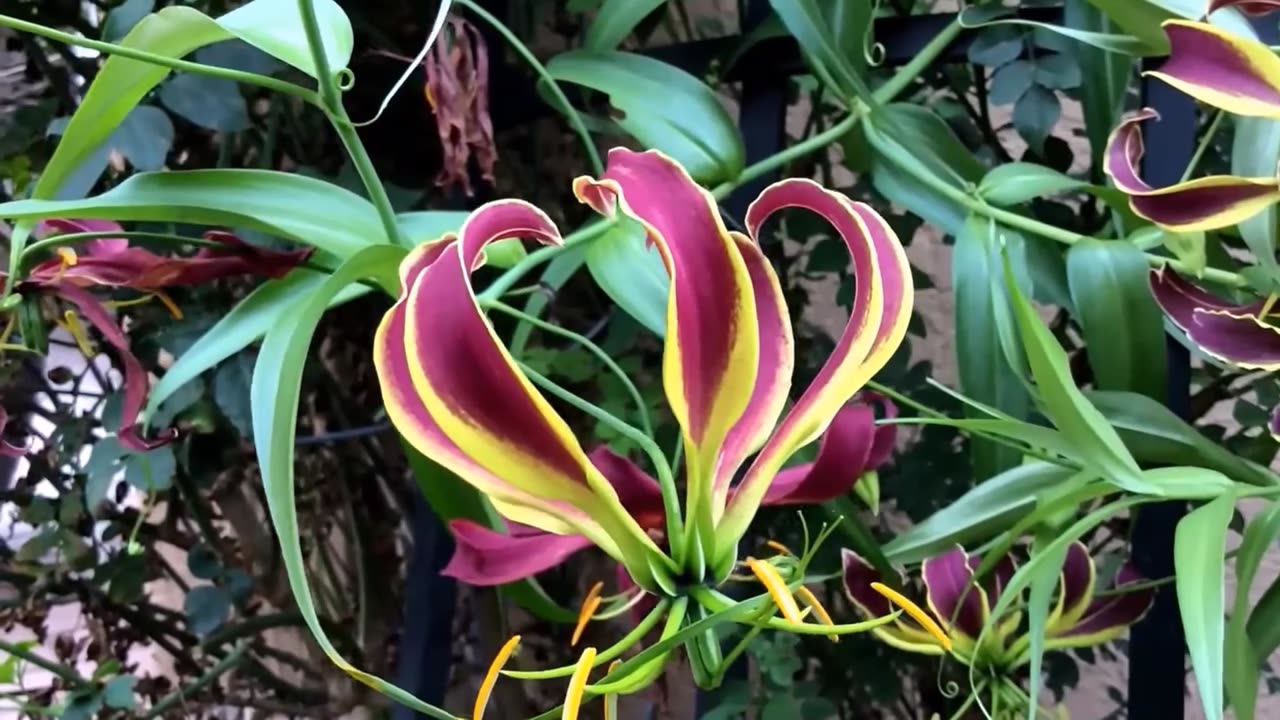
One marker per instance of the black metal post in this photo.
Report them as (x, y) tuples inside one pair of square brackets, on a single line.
[(1157, 645)]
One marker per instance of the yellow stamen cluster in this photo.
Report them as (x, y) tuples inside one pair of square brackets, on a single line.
[(590, 604), (578, 685), (916, 612), (491, 677)]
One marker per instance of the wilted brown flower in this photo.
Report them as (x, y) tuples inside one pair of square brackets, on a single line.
[(458, 92)]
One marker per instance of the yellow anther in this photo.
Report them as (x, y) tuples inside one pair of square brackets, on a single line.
[(67, 258), (611, 701), (811, 600), (578, 685), (916, 612), (169, 304), (768, 576), (590, 604), (780, 547), (491, 677), (73, 326)]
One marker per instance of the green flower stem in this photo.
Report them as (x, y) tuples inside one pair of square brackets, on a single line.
[(264, 81), (666, 482), (331, 102), (62, 671), (1021, 222), (566, 107), (636, 635), (526, 265), (968, 701), (645, 426), (1205, 141), (180, 695), (718, 602)]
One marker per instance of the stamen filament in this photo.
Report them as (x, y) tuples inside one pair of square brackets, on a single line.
[(491, 677), (578, 685), (768, 576), (73, 326), (169, 304), (631, 602), (812, 601), (590, 604), (67, 258), (916, 612), (611, 700)]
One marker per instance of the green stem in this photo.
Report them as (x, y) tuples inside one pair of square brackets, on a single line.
[(183, 693), (718, 602), (526, 265), (331, 102), (645, 426), (636, 635), (800, 149), (1205, 141), (666, 482), (264, 81), (62, 671), (570, 112)]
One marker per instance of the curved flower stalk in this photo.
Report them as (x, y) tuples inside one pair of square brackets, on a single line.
[(962, 608), (112, 263), (459, 397)]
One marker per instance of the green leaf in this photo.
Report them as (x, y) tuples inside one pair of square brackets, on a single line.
[(1199, 544), (1142, 19), (1263, 627), (144, 138), (334, 220), (980, 514), (151, 471), (565, 265), (990, 17), (1102, 97), (616, 20), (123, 17), (1255, 152), (631, 273), (1035, 114), (248, 321), (118, 692), (451, 498), (231, 391), (985, 371), (812, 29), (276, 27), (426, 225), (206, 608), (277, 380), (101, 470), (996, 46), (1240, 657), (689, 123), (1126, 349), (1058, 72), (1017, 182), (1009, 82), (1043, 582), (208, 102), (1156, 436), (1065, 405), (1188, 483)]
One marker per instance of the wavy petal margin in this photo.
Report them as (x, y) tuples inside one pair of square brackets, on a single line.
[(1107, 617), (843, 457), (883, 296), (1206, 203), (1221, 69), (487, 557), (857, 575), (712, 349), (454, 392), (1232, 333), (958, 602), (1075, 587)]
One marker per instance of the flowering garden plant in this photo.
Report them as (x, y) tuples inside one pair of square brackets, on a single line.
[(1063, 428)]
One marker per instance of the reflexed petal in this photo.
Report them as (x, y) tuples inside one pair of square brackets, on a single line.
[(882, 301), (773, 378), (637, 491), (486, 557), (1222, 69), (713, 343), (857, 578), (1231, 333), (953, 596), (1250, 7), (134, 392), (886, 436), (1205, 203), (99, 246), (8, 449), (1075, 587), (842, 459), (456, 395), (1107, 617)]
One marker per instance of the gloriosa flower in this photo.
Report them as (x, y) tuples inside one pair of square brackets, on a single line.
[(109, 262), (962, 607), (458, 396)]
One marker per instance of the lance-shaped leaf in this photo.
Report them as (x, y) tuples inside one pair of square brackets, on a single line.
[(1205, 203), (456, 395), (883, 296), (714, 339), (1222, 69), (1233, 333)]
